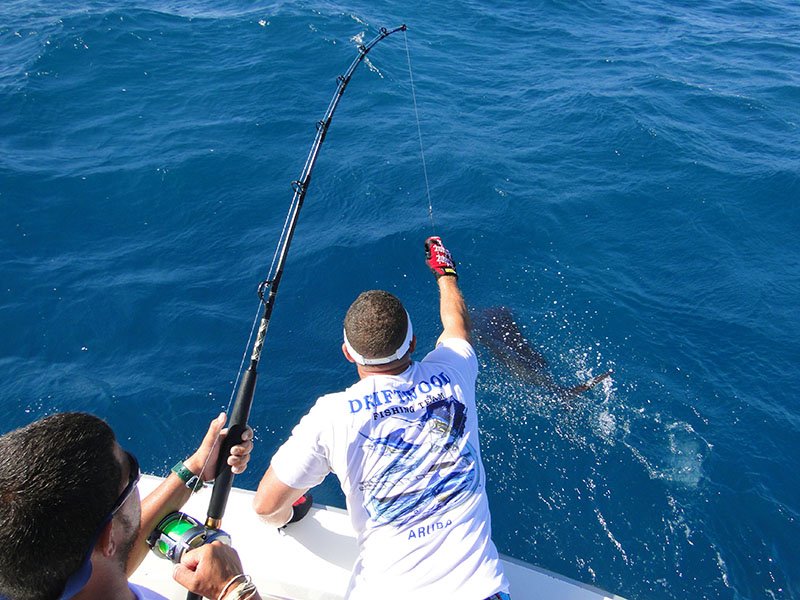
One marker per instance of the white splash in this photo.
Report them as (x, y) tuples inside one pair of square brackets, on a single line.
[(358, 40), (604, 525)]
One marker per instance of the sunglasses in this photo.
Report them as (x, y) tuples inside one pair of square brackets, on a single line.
[(134, 474), (79, 578)]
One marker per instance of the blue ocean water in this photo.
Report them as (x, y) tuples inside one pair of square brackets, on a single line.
[(623, 175)]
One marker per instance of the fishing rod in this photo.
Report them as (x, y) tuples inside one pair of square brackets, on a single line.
[(267, 291)]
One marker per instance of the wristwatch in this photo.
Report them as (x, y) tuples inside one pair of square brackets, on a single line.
[(192, 481)]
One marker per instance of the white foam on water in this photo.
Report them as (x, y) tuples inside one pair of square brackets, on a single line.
[(358, 40), (601, 519)]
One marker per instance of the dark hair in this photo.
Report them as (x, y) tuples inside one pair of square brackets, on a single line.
[(59, 477), (376, 324)]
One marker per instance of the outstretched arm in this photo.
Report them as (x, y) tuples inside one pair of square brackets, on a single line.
[(452, 308)]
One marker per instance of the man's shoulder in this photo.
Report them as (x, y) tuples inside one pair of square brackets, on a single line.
[(457, 343), (332, 398), (452, 347), (455, 352), (328, 405)]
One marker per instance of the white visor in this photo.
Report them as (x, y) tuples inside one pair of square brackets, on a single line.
[(400, 353)]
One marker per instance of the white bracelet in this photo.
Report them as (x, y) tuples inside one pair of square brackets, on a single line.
[(251, 594), (244, 591), (232, 580)]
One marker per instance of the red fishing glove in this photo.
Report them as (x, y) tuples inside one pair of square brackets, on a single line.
[(438, 258)]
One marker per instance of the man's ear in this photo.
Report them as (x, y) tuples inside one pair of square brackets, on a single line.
[(347, 354), (106, 544), (413, 345)]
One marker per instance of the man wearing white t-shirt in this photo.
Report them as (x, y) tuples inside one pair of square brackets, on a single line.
[(403, 442)]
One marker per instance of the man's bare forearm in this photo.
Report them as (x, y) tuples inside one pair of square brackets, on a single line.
[(453, 310)]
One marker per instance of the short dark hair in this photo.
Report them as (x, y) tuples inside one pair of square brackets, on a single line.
[(376, 324), (59, 478)]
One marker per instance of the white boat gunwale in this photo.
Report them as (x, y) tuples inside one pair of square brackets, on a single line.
[(312, 559)]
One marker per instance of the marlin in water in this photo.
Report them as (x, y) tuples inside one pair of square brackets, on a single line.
[(495, 329)]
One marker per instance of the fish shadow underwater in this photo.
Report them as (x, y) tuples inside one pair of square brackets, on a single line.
[(495, 330)]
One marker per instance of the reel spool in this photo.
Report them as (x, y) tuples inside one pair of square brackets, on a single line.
[(178, 532)]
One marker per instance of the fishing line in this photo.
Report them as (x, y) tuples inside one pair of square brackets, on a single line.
[(183, 517), (419, 133), (270, 276)]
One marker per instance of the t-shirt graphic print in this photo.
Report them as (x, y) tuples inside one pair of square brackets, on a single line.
[(421, 467)]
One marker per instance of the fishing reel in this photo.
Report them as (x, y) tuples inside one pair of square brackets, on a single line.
[(178, 532)]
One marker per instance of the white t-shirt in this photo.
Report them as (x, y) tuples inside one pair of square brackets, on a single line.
[(405, 449)]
